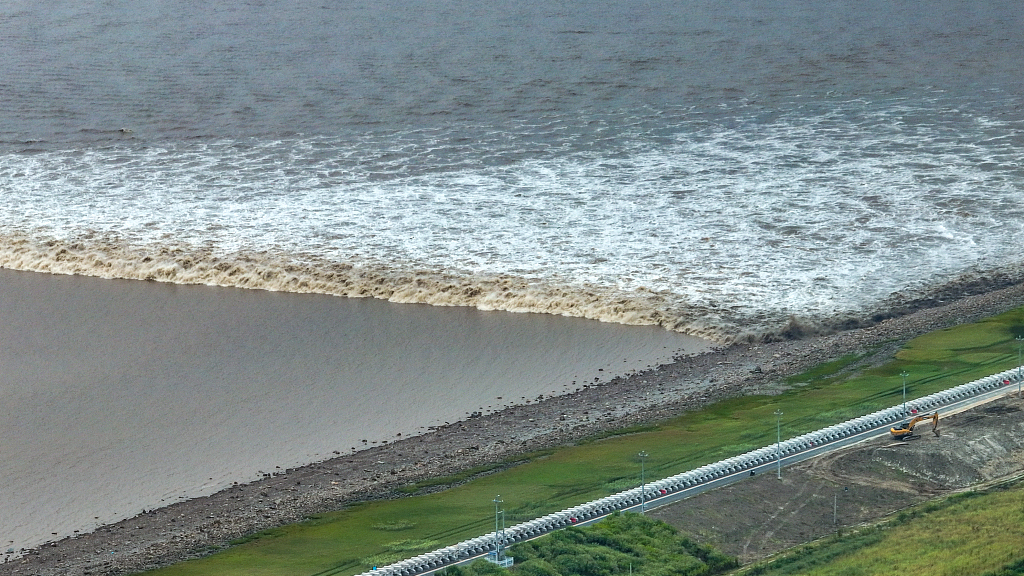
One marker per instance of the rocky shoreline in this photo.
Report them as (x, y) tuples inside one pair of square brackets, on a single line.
[(200, 526)]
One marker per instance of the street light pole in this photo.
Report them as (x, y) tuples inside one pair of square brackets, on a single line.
[(904, 374), (778, 442), (643, 483), (497, 543), (1020, 342)]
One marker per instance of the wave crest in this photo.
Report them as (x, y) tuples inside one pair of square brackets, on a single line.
[(109, 258)]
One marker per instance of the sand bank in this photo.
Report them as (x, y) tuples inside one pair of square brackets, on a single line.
[(189, 529)]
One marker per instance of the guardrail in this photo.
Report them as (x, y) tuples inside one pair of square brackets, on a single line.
[(633, 497)]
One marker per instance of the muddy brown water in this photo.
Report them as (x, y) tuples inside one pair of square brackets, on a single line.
[(119, 396)]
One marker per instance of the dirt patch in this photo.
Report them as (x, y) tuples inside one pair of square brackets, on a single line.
[(861, 484)]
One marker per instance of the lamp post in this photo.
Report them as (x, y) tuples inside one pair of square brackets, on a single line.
[(904, 374), (1020, 342), (497, 543), (778, 442), (643, 483)]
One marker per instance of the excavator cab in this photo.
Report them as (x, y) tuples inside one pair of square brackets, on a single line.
[(905, 430)]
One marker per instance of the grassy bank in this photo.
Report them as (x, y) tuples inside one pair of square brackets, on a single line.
[(376, 533), (969, 533)]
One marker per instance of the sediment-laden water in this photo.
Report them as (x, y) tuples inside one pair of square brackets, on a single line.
[(120, 396)]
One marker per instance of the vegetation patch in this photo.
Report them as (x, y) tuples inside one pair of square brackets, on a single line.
[(621, 544), (827, 371), (382, 559), (619, 432), (983, 358), (452, 480), (394, 526), (521, 512), (963, 337), (925, 355), (1011, 569), (621, 485), (411, 545), (968, 533)]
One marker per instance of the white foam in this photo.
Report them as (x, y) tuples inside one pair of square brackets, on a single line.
[(810, 215)]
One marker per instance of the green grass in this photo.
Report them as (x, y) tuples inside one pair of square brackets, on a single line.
[(352, 540), (619, 544), (828, 371), (970, 533)]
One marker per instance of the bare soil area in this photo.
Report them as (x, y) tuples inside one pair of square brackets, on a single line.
[(861, 484), (201, 526)]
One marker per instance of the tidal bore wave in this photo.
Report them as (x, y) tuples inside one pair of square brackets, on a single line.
[(288, 272)]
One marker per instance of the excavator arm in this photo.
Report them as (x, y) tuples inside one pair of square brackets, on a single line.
[(906, 429)]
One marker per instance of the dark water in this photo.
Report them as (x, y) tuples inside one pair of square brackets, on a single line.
[(182, 69)]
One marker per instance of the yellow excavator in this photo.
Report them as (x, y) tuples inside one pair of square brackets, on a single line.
[(905, 430)]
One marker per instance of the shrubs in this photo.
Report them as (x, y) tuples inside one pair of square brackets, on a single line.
[(621, 544)]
